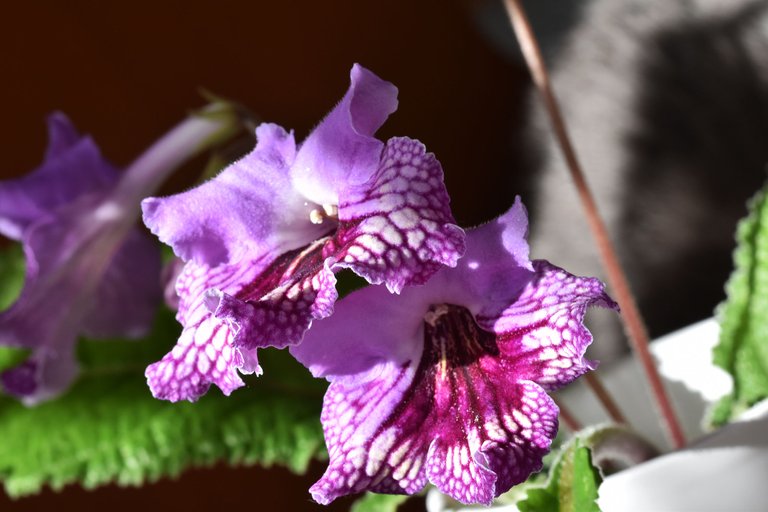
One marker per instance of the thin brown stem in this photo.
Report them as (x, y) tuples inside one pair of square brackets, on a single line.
[(633, 323), (568, 418), (605, 398)]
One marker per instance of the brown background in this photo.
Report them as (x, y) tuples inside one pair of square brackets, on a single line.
[(125, 72)]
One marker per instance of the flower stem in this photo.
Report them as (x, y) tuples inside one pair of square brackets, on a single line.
[(605, 398), (633, 322), (199, 132), (568, 418)]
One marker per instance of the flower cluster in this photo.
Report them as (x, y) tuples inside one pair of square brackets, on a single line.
[(441, 375), (439, 370)]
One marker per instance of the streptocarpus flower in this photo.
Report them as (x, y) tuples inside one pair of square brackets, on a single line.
[(448, 382), (263, 239), (89, 270)]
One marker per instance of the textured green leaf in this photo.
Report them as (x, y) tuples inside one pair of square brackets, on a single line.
[(109, 428), (572, 483), (743, 347), (372, 502)]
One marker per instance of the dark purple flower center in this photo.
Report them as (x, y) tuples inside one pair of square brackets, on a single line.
[(289, 266), (454, 383), (453, 340)]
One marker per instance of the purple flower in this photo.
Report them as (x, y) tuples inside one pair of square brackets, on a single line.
[(447, 383), (89, 270), (263, 239)]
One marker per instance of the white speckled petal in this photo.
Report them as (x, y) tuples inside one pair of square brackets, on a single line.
[(397, 228), (204, 353), (543, 330)]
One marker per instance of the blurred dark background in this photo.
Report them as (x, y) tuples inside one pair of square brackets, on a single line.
[(126, 72)]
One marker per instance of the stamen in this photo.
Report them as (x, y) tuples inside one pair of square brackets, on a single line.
[(326, 211), (331, 211), (316, 217)]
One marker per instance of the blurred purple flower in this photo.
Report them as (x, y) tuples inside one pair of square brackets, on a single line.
[(263, 240), (448, 382), (89, 270)]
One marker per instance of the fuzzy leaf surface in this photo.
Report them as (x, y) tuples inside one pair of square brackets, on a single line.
[(742, 350), (572, 483), (109, 428)]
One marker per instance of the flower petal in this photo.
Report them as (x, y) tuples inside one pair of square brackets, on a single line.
[(342, 149), (62, 135), (204, 353), (345, 345), (494, 268), (77, 170), (249, 208), (397, 228), (501, 448), (542, 333), (66, 258), (282, 317), (129, 292), (362, 452), (403, 424), (44, 375)]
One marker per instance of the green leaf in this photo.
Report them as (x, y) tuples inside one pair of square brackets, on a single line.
[(109, 428), (572, 484), (372, 502), (11, 281), (12, 356), (743, 347), (11, 274)]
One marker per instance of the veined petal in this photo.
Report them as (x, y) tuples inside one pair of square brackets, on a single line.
[(397, 228), (451, 416), (78, 169), (542, 334), (204, 353), (280, 318), (360, 443), (497, 449), (249, 209), (342, 149)]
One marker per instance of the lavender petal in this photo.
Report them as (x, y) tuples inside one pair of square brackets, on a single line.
[(342, 149), (249, 208)]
